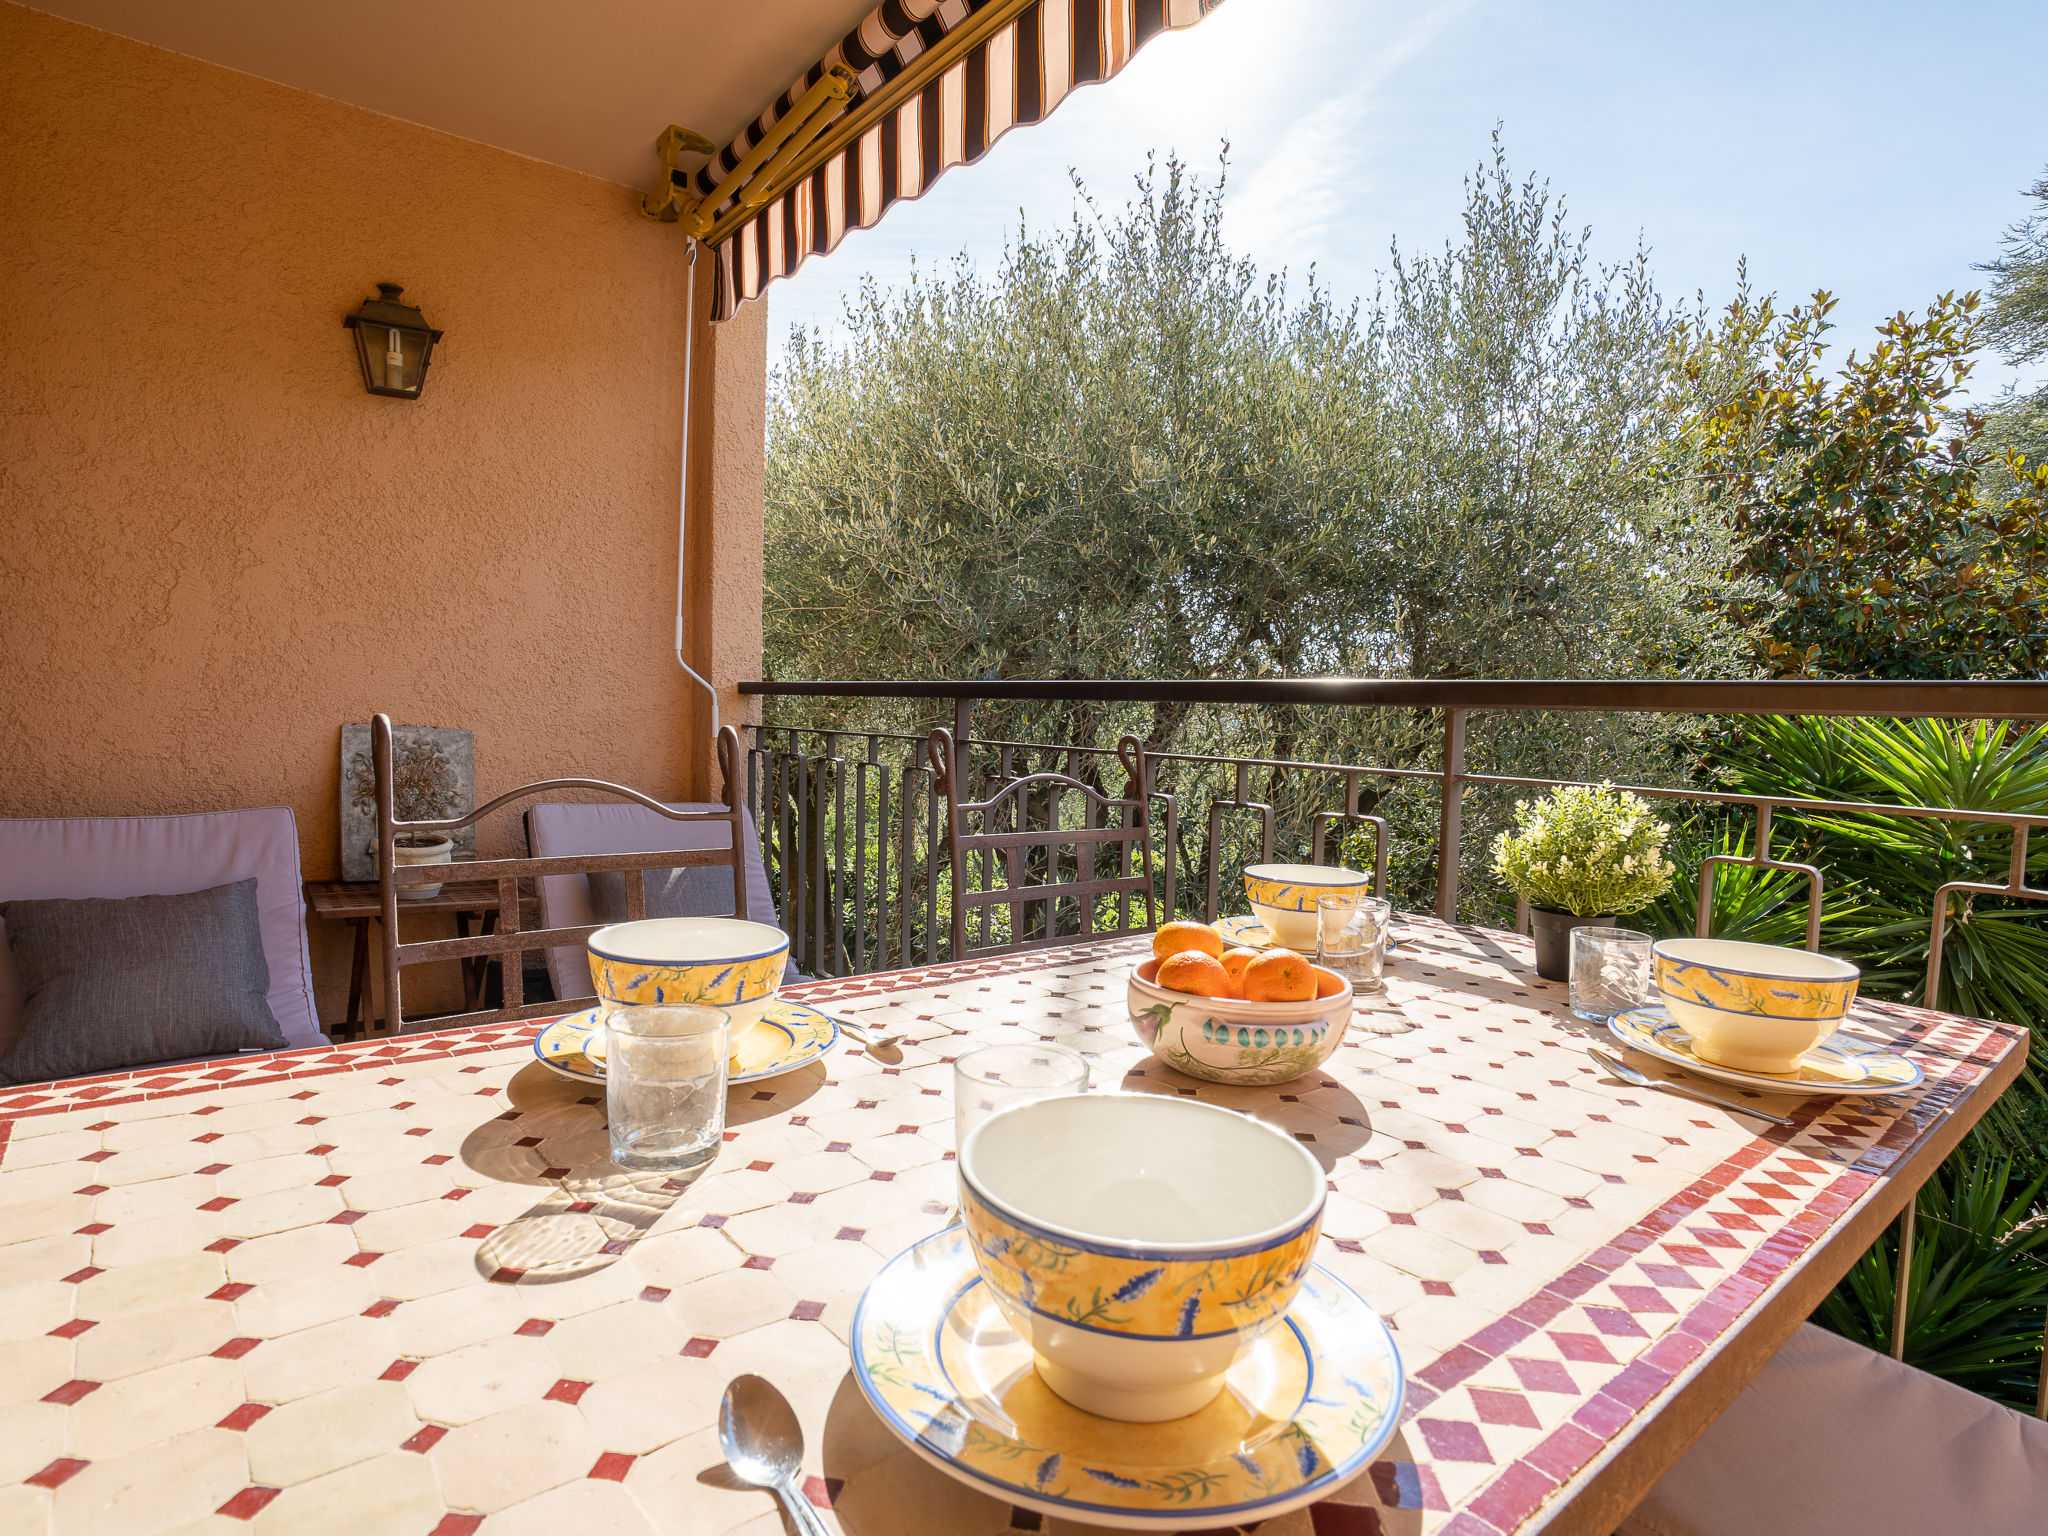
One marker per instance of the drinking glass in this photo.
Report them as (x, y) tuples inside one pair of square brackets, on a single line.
[(997, 1076), (1610, 972), (1353, 939), (664, 1084)]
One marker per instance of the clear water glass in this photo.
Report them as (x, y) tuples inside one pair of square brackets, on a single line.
[(1610, 972), (997, 1076), (1352, 939), (664, 1084)]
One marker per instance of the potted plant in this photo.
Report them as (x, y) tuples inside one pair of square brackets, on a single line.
[(423, 788), (1581, 856)]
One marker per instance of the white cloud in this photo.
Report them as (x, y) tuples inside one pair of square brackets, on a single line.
[(1291, 207)]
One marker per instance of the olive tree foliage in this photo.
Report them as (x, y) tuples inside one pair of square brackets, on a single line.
[(1128, 452), (2017, 326), (1128, 455)]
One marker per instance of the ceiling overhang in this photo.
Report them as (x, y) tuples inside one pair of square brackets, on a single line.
[(588, 87)]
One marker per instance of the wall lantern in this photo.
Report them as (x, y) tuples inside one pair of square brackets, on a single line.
[(393, 343)]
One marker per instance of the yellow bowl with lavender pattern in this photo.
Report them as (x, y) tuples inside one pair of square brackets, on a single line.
[(1753, 1007), (733, 964), (1284, 898), (1141, 1244)]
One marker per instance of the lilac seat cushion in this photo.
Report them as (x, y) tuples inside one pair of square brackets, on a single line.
[(555, 829), (1832, 1439), (87, 856)]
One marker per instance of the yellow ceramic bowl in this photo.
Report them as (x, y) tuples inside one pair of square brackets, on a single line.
[(1754, 1007), (1284, 897), (1141, 1243), (721, 960)]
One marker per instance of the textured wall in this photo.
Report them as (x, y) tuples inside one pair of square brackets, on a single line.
[(215, 547)]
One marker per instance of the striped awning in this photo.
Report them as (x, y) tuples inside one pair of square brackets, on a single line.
[(933, 84)]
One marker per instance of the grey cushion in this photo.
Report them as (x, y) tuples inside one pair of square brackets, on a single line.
[(1832, 1439), (704, 890), (112, 983)]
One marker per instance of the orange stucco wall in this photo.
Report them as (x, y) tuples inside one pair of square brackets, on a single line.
[(215, 547)]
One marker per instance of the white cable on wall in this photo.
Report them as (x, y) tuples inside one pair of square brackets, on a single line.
[(683, 500)]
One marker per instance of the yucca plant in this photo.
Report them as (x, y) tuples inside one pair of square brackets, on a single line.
[(1979, 1277), (1757, 906), (1978, 1293), (1996, 952)]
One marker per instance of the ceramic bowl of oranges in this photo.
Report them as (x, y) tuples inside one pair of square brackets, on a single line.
[(1235, 1015)]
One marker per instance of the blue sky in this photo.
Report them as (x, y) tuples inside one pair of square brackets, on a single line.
[(1875, 149)]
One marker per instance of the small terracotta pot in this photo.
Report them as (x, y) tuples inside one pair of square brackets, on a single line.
[(1553, 933)]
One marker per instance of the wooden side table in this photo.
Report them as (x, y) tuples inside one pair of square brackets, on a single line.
[(356, 902)]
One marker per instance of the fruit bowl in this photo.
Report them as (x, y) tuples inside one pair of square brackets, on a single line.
[(1226, 1040)]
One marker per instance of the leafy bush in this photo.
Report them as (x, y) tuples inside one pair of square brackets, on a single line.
[(1896, 536), (1585, 850)]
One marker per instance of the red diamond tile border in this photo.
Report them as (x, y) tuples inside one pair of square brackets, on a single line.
[(425, 1440), (249, 1503), (243, 1416)]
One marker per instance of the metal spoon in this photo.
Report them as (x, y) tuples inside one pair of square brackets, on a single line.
[(764, 1445), (868, 1038), (1629, 1074)]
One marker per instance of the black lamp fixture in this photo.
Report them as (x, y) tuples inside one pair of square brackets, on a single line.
[(393, 343)]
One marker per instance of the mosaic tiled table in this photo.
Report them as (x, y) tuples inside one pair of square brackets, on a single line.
[(397, 1287)]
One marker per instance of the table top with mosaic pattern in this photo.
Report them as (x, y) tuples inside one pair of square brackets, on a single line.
[(397, 1287)]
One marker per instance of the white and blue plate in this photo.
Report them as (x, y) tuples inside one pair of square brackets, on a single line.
[(1840, 1064), (788, 1036), (1306, 1410)]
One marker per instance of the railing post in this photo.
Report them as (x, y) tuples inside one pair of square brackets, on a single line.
[(1450, 816), (1902, 1277)]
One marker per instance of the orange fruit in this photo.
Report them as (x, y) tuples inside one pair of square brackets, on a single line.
[(1279, 976), (1192, 971), (1180, 937), (1234, 962), (1328, 983)]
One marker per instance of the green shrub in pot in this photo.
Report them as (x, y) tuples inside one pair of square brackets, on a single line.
[(1581, 856)]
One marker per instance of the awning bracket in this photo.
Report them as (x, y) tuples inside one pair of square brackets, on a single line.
[(756, 179)]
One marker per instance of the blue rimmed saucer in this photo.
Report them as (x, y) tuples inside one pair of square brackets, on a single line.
[(1251, 933), (787, 1036), (1307, 1408), (1840, 1064)]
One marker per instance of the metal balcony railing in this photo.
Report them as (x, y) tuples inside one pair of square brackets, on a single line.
[(851, 828)]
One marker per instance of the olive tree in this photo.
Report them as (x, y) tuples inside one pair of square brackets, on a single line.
[(1127, 452)]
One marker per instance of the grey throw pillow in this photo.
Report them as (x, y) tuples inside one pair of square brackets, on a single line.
[(702, 890), (109, 984)]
